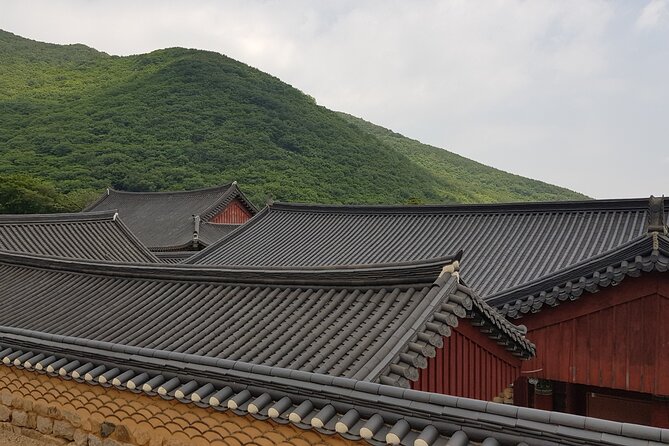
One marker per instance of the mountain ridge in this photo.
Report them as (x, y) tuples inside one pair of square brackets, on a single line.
[(79, 120)]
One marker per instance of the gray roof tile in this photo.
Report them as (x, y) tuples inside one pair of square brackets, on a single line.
[(382, 410), (164, 220), (358, 324), (92, 236), (505, 246)]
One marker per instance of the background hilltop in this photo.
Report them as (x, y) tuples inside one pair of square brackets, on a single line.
[(74, 120)]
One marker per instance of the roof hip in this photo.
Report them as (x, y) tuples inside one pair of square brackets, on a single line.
[(486, 208)]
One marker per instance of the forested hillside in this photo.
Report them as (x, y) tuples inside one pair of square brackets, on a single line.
[(464, 180), (74, 121)]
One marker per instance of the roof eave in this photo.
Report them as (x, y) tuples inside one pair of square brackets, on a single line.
[(645, 254), (106, 215), (450, 303)]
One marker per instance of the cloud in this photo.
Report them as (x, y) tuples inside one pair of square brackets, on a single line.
[(656, 12), (565, 91)]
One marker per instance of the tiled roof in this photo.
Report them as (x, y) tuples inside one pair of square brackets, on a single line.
[(173, 256), (208, 234), (505, 245), (331, 405), (370, 323), (213, 232), (164, 220), (644, 254), (93, 236)]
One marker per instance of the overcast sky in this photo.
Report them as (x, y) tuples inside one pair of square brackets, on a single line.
[(575, 93)]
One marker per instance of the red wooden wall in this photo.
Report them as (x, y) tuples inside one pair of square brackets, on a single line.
[(234, 213), (617, 338), (470, 365), (628, 410)]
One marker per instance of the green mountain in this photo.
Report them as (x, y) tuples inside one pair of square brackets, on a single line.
[(461, 179), (74, 121)]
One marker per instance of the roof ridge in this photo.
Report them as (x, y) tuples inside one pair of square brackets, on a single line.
[(409, 273), (582, 205), (59, 217), (108, 193), (168, 192)]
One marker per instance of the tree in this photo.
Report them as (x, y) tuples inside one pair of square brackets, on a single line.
[(24, 194)]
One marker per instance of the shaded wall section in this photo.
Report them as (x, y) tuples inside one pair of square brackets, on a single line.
[(469, 365), (617, 338)]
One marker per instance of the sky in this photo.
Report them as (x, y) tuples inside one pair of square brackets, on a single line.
[(571, 92)]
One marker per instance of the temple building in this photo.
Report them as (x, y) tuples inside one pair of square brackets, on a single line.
[(108, 353), (315, 324), (379, 323), (174, 224), (586, 278)]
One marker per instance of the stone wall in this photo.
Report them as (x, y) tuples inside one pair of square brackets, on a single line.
[(58, 411)]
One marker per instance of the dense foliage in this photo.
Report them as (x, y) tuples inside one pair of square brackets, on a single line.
[(26, 194), (77, 120)]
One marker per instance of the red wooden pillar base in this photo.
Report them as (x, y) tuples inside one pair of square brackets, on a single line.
[(543, 401), (660, 416), (543, 395), (520, 392)]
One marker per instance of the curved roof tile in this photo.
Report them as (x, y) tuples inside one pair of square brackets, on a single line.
[(505, 245), (164, 220), (94, 236), (344, 322), (353, 409), (645, 254)]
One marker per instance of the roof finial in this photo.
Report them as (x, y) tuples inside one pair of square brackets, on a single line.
[(107, 191), (196, 230), (656, 214), (452, 269)]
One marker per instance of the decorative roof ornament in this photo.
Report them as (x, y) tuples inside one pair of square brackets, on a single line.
[(196, 229), (453, 269), (656, 221)]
